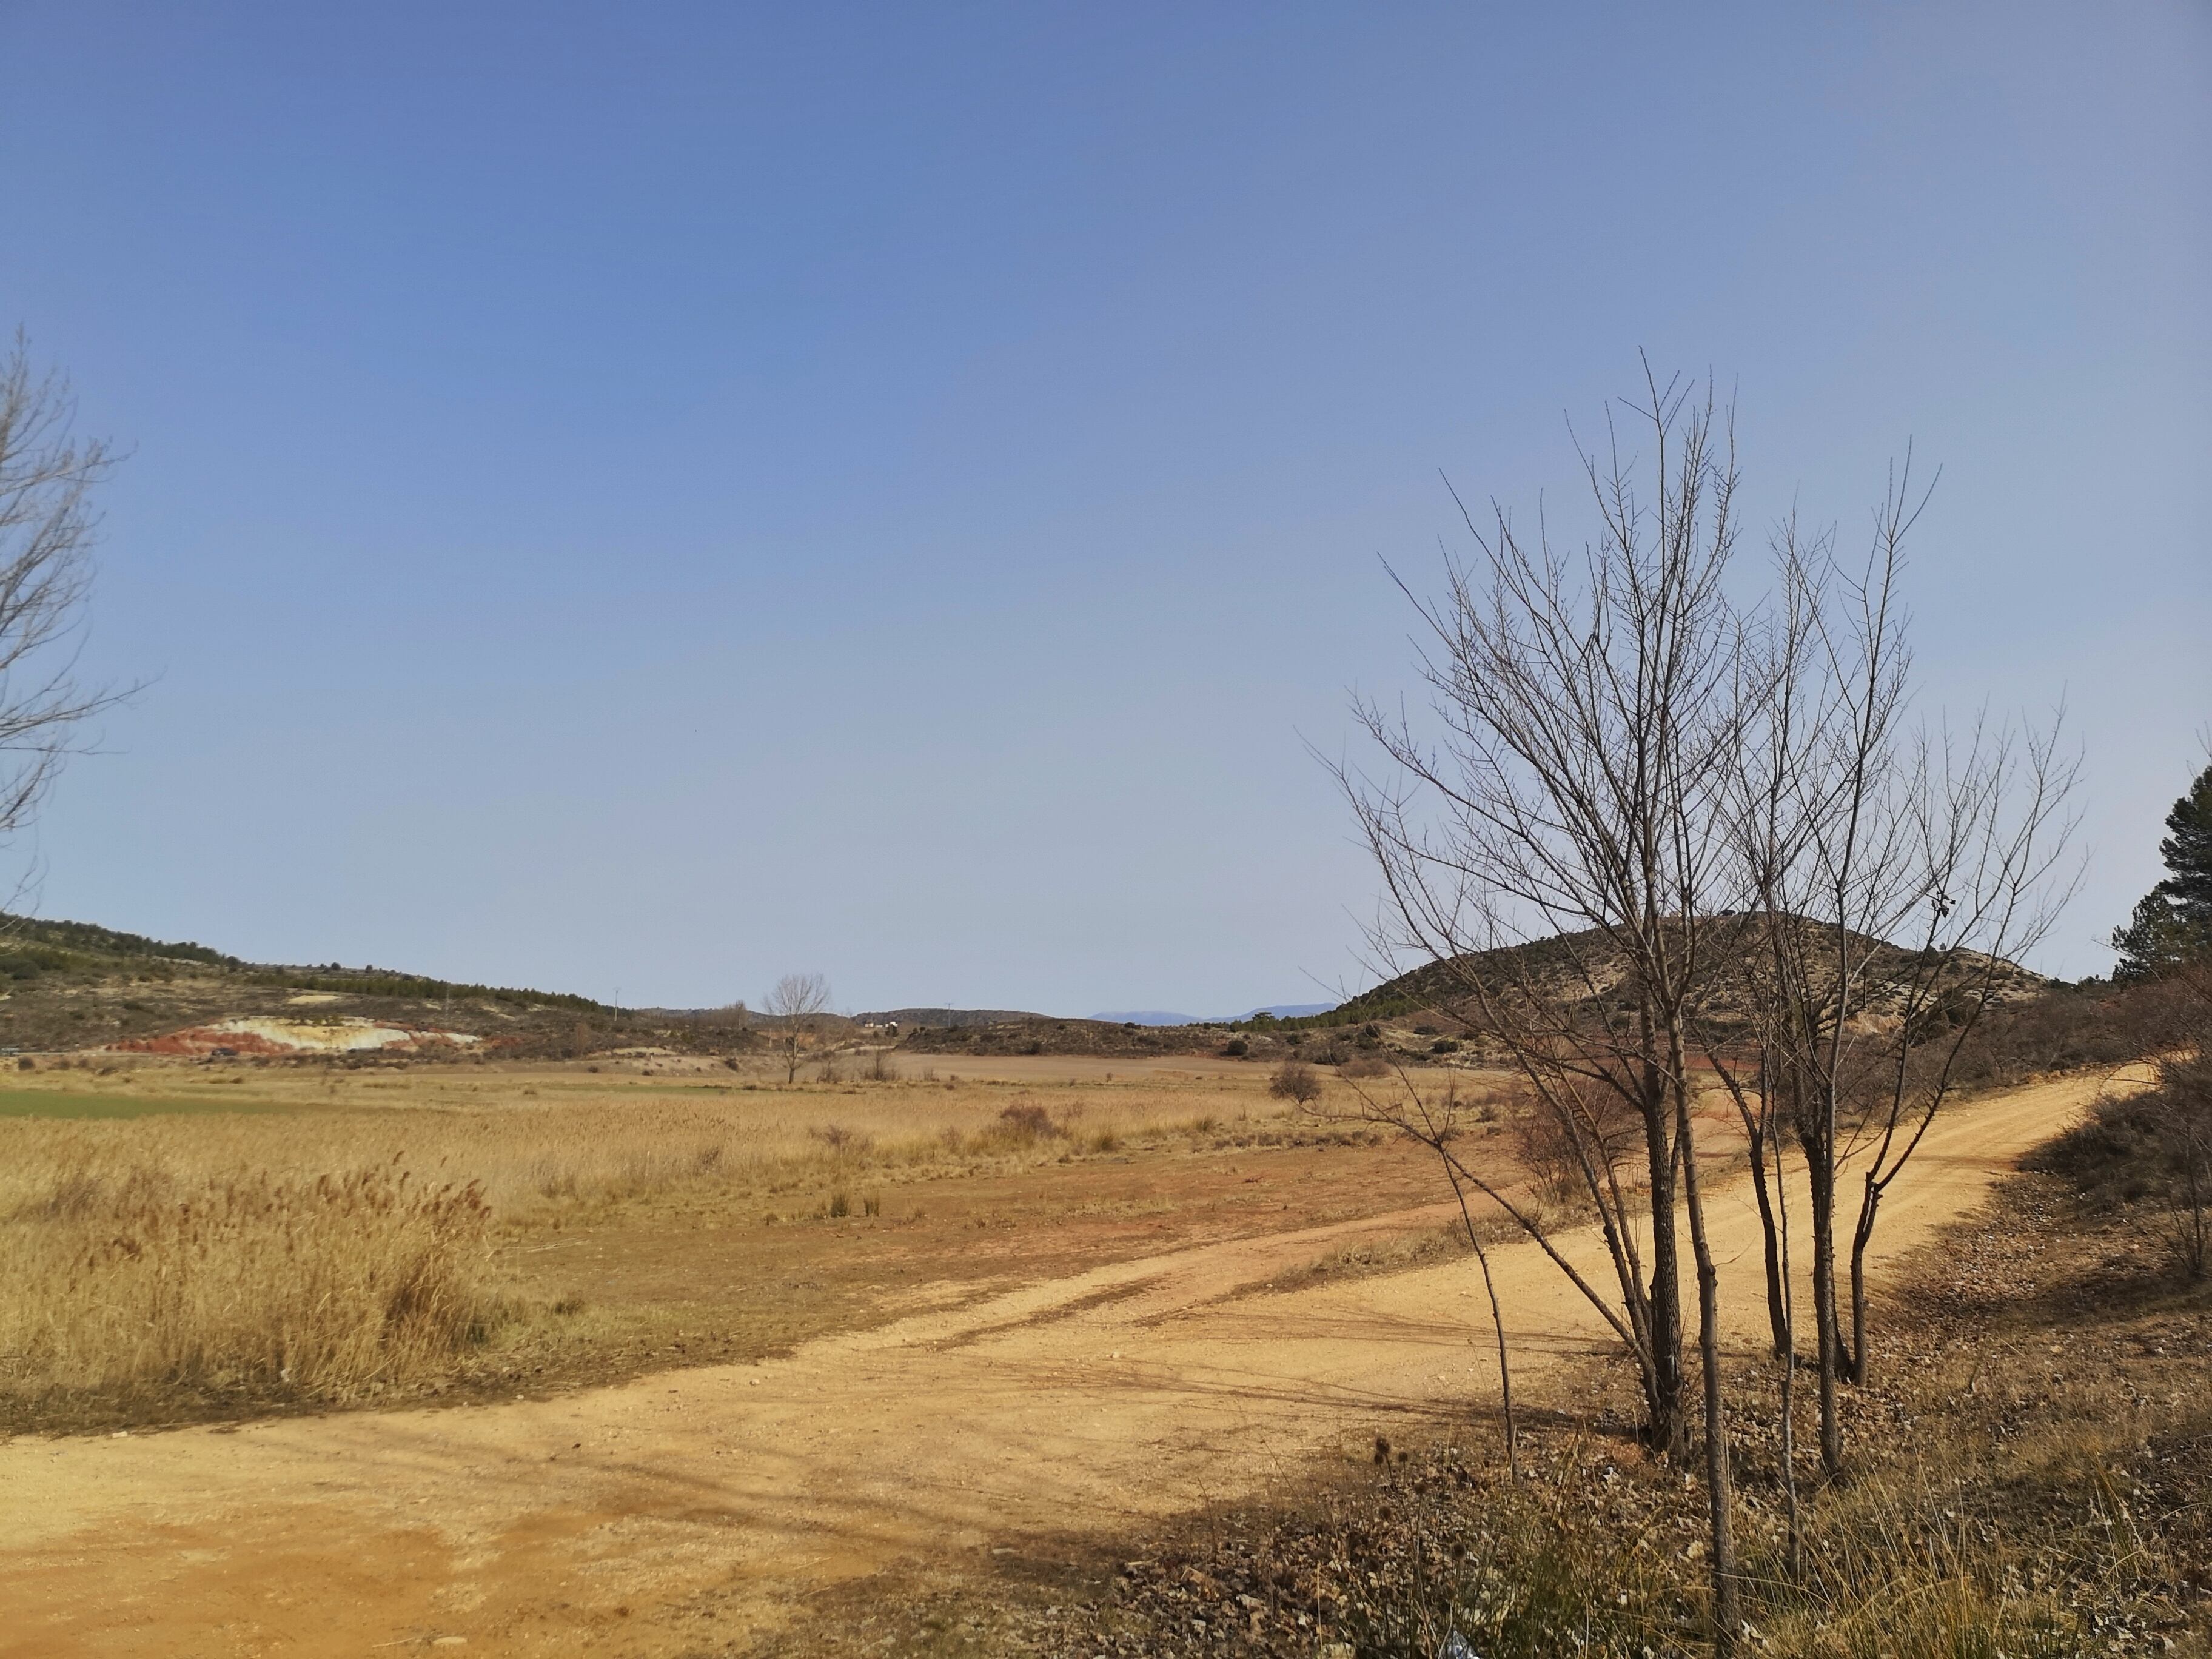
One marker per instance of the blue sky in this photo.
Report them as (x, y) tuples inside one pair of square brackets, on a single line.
[(645, 499)]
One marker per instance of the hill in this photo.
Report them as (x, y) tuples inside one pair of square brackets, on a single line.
[(1585, 967), (914, 1019), (71, 985), (1041, 1034), (1161, 1017)]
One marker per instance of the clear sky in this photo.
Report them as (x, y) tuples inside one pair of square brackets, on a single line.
[(644, 498)]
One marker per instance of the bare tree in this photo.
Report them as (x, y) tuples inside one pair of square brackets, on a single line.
[(1557, 851), (1294, 1080), (1657, 820), (797, 1004), (1887, 875), (47, 529)]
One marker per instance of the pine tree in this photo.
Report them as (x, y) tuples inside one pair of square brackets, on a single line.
[(2173, 923)]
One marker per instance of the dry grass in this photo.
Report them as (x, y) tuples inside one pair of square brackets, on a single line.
[(531, 1138), (332, 1238), (126, 1277)]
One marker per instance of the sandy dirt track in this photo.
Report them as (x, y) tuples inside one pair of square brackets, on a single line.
[(678, 1512)]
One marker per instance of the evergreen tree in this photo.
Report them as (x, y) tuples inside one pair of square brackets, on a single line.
[(2172, 924)]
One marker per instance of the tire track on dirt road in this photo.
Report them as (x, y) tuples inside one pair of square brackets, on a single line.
[(686, 1508)]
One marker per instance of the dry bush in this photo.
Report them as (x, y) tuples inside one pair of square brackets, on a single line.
[(1556, 1139), (126, 1278), (1294, 1080), (1025, 1119), (2067, 1027), (2149, 1152)]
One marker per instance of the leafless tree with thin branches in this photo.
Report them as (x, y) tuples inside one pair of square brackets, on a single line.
[(48, 527), (1556, 852), (1888, 873), (797, 1005), (1659, 824)]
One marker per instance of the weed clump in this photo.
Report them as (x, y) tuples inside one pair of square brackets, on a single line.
[(1025, 1119)]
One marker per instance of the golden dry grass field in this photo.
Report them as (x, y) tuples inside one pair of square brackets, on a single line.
[(193, 1241)]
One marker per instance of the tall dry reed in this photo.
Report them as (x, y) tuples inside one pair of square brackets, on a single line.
[(127, 1278)]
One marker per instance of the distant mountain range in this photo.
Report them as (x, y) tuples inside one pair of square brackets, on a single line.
[(1161, 1017), (942, 1018)]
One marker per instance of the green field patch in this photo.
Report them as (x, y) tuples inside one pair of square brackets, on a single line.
[(55, 1102)]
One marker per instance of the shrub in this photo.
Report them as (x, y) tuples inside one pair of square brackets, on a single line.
[(1237, 1048), (1027, 1120), (2153, 1147), (1294, 1080)]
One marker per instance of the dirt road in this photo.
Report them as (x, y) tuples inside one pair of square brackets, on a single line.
[(679, 1511)]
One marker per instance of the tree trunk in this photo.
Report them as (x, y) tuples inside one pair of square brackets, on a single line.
[(1670, 1429), (1861, 1235), (1504, 1369), (1822, 1180), (1726, 1617), (1796, 1547), (1778, 1319)]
